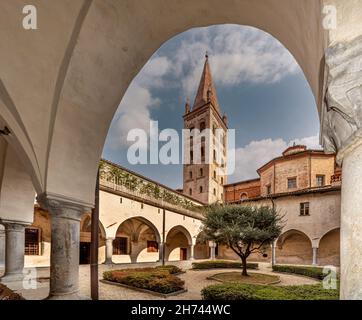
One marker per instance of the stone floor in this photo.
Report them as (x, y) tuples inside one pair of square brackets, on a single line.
[(194, 281)]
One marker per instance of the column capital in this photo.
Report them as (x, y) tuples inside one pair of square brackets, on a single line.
[(63, 207), (14, 225), (341, 115)]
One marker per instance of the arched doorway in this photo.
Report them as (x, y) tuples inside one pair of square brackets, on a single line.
[(137, 240), (178, 242), (85, 239), (201, 249), (294, 247), (329, 248)]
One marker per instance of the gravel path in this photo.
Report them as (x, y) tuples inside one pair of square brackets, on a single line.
[(194, 282)]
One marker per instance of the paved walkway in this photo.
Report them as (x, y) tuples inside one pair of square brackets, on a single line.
[(195, 280)]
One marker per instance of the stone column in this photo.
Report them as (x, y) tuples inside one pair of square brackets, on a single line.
[(315, 256), (14, 250), (192, 249), (109, 250), (160, 251), (212, 246), (341, 132), (273, 254), (64, 256), (2, 247)]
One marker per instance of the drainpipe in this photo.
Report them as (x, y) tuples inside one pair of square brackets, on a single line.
[(94, 244), (163, 236)]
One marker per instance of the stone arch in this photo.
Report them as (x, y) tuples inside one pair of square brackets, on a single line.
[(142, 241), (178, 243), (243, 196), (329, 248), (294, 247)]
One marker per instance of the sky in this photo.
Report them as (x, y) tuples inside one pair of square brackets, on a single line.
[(259, 85)]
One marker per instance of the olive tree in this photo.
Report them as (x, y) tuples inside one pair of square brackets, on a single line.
[(244, 229)]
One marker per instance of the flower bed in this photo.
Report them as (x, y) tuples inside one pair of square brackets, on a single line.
[(7, 294), (217, 264), (239, 291), (154, 279), (313, 272)]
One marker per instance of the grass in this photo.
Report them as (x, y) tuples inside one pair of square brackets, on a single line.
[(220, 264), (157, 279), (252, 278), (241, 291)]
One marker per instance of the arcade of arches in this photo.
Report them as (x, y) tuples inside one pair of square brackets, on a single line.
[(57, 122)]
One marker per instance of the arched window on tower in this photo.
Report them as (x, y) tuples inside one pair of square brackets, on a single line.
[(202, 126), (190, 192), (215, 174), (214, 192), (201, 172), (201, 189)]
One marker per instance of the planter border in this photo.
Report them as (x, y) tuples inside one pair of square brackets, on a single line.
[(261, 284), (159, 294)]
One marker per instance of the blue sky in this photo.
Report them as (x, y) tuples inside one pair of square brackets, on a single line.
[(259, 85)]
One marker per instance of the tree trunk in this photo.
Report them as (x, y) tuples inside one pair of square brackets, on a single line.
[(244, 273)]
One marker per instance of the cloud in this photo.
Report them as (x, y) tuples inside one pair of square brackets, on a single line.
[(257, 153)]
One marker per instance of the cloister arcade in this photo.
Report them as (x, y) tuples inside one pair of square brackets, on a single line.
[(61, 84)]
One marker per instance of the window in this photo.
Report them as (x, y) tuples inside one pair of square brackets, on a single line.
[(202, 126), (120, 200), (214, 174), (321, 178), (214, 155), (200, 189), (120, 246), (243, 196), (292, 183), (201, 172), (32, 237), (304, 209), (141, 205), (268, 189), (191, 156), (222, 180), (202, 152), (152, 246), (190, 174), (190, 192), (214, 192)]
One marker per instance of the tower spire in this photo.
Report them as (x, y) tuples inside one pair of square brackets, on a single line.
[(206, 91)]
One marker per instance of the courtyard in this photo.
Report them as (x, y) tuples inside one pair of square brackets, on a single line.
[(195, 281)]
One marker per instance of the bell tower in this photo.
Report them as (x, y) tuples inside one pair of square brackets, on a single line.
[(204, 174)]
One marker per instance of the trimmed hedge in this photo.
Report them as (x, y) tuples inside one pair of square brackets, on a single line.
[(170, 268), (313, 272), (7, 294), (217, 264), (239, 291), (154, 279)]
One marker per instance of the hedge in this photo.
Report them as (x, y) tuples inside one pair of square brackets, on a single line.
[(313, 272), (214, 264), (155, 279), (170, 268), (7, 294), (239, 291)]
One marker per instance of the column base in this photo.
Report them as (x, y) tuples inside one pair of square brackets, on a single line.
[(67, 296), (109, 262), (15, 277)]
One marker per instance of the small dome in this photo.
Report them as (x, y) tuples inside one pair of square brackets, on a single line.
[(294, 149)]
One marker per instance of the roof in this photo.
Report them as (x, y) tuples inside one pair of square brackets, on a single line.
[(240, 182), (293, 193), (152, 181), (206, 91)]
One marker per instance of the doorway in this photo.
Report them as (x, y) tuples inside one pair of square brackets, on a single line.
[(183, 253), (84, 253)]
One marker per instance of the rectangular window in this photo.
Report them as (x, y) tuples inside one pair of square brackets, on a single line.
[(152, 246), (304, 209), (120, 246), (292, 183), (32, 237), (321, 178)]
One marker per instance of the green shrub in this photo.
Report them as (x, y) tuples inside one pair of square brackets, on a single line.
[(313, 272), (213, 264), (170, 268), (154, 279), (239, 291)]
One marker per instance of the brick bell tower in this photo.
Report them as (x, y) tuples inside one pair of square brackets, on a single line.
[(204, 174)]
